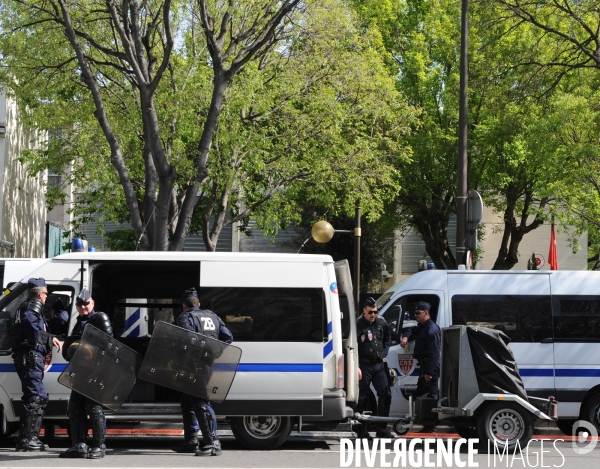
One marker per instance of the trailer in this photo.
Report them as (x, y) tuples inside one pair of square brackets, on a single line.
[(481, 392)]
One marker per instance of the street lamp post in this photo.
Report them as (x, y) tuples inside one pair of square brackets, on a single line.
[(461, 199), (322, 232)]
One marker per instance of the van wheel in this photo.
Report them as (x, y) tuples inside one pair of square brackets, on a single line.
[(565, 426), (505, 423), (591, 411), (261, 432)]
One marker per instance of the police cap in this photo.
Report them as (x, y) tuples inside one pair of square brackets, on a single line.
[(83, 297), (58, 305), (422, 306), (370, 302), (188, 293), (36, 282)]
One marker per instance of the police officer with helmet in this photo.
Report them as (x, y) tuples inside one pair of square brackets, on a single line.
[(31, 343), (428, 340), (79, 405), (59, 322), (374, 340), (198, 413)]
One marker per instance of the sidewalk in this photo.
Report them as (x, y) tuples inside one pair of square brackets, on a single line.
[(170, 429)]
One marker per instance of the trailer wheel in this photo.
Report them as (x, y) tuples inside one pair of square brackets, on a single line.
[(591, 411), (261, 432), (400, 428), (505, 423)]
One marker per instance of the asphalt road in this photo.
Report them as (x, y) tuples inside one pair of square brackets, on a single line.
[(131, 451)]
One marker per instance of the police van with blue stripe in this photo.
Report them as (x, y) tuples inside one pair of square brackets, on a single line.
[(298, 363), (551, 317)]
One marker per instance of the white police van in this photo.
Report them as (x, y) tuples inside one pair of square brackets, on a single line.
[(298, 361), (551, 317)]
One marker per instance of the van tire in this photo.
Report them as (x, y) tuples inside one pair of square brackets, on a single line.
[(565, 426), (591, 410), (261, 432), (505, 421)]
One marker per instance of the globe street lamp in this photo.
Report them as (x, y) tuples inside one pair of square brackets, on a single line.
[(322, 232)]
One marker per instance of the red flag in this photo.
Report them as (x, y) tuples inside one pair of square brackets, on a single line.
[(552, 258)]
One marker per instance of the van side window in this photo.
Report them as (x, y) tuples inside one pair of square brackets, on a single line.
[(258, 314), (523, 318), (576, 317), (408, 308)]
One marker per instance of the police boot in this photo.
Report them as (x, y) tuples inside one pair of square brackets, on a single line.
[(40, 418), (190, 437), (98, 428), (78, 430), (28, 436), (213, 449), (208, 425), (189, 445)]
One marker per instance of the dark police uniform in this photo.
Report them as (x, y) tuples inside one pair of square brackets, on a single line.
[(428, 339), (31, 343), (197, 413), (59, 324), (373, 345), (79, 405)]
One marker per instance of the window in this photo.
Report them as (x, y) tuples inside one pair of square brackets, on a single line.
[(577, 317), (523, 318), (269, 314)]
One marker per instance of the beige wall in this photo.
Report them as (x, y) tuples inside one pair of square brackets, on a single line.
[(537, 241), (22, 201)]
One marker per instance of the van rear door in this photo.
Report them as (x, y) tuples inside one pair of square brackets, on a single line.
[(349, 344)]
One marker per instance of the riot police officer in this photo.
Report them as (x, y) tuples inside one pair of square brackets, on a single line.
[(374, 340), (198, 413), (79, 405), (59, 322), (428, 339), (31, 343)]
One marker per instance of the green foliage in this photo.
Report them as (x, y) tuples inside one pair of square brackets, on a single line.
[(314, 119)]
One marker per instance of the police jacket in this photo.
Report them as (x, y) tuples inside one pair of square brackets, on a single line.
[(206, 323), (428, 339), (59, 324), (31, 331), (374, 339), (98, 319)]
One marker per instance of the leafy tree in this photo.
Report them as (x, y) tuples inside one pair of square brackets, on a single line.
[(181, 115)]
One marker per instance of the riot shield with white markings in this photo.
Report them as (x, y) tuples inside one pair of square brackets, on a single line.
[(101, 368), (190, 362)]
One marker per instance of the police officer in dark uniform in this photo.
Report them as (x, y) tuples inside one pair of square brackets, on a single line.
[(31, 343), (374, 340), (428, 339), (198, 413), (59, 322), (79, 405)]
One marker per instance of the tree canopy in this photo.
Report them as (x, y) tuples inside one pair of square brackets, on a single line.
[(190, 115)]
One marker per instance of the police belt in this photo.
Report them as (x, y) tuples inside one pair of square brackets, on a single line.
[(370, 360)]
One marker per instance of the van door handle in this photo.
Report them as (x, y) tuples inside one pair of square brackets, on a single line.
[(547, 340)]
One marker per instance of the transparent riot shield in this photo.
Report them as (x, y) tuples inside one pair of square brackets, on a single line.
[(190, 362), (102, 368)]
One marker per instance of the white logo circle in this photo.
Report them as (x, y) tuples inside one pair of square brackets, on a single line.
[(581, 431)]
